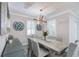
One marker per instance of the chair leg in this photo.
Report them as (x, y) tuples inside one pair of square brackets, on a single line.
[(29, 53)]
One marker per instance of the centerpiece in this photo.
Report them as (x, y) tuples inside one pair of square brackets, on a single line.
[(45, 33)]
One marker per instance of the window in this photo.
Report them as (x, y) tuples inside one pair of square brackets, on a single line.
[(30, 27), (51, 25)]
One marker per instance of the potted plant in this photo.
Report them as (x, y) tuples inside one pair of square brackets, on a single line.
[(45, 33)]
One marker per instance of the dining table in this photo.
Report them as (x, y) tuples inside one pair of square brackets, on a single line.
[(52, 44)]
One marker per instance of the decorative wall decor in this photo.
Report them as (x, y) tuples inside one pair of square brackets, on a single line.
[(18, 26), (39, 27)]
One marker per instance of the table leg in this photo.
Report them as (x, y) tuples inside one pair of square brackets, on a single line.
[(52, 53)]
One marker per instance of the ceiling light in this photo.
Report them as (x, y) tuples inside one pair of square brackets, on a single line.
[(40, 19)]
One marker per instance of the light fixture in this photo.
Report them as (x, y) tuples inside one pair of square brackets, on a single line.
[(40, 19)]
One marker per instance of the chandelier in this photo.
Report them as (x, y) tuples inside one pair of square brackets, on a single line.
[(40, 19)]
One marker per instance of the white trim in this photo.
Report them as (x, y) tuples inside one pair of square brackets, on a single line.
[(58, 14), (63, 12), (75, 15), (22, 15), (52, 16)]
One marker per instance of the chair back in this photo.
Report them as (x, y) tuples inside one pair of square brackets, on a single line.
[(29, 42), (71, 49), (35, 48), (29, 47)]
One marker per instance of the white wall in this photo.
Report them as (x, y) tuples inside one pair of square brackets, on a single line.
[(62, 28), (78, 31), (73, 29), (66, 28), (21, 35)]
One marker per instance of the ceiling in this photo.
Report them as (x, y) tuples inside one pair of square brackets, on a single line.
[(49, 8)]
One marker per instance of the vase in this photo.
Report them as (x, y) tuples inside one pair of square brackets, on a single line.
[(45, 38)]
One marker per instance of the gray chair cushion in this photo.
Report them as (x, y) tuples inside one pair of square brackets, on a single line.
[(71, 49)]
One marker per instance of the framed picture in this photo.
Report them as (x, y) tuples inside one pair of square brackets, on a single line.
[(18, 26)]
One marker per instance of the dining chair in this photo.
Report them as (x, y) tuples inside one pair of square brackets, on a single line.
[(37, 51), (14, 49), (71, 49)]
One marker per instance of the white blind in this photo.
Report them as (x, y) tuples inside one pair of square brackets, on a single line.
[(30, 27), (51, 26)]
